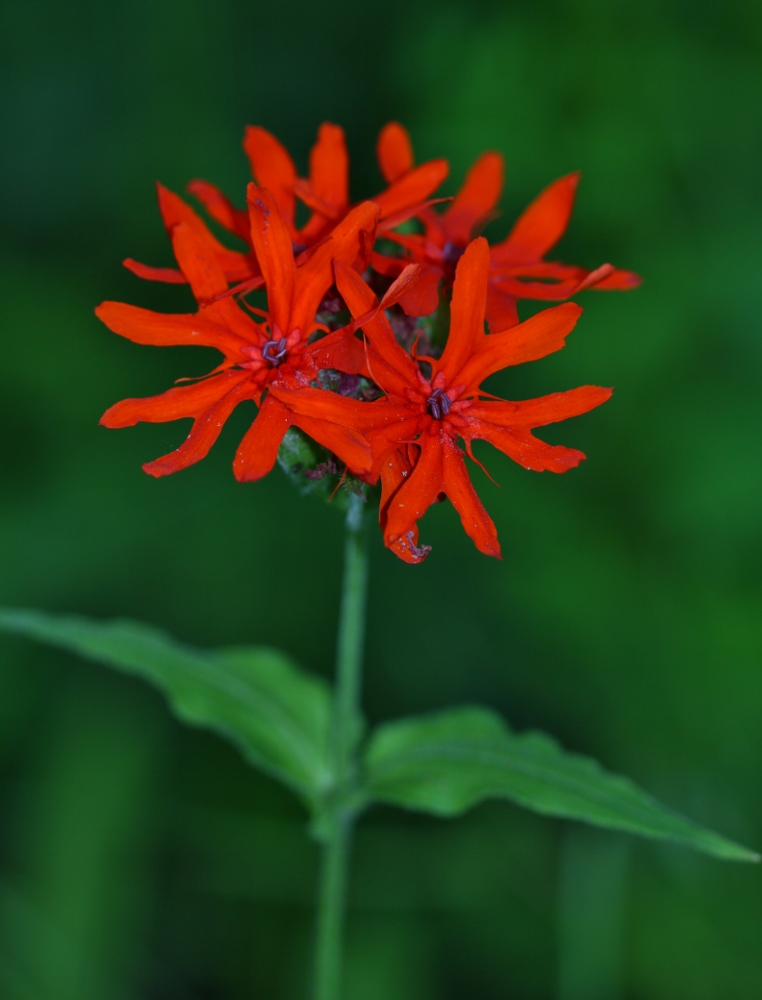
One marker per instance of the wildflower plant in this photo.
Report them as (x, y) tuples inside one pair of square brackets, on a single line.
[(364, 336)]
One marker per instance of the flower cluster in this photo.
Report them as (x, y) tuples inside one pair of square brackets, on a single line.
[(379, 323)]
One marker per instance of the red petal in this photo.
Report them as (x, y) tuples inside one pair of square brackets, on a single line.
[(329, 168), (423, 297), (221, 208), (527, 450), (198, 263), (316, 276), (540, 270), (541, 225), (349, 446), (544, 281), (185, 401), (205, 431), (551, 281), (418, 493), (469, 299), (476, 521), (408, 550), (388, 364), (412, 189), (320, 404), (341, 350), (476, 199), (534, 338), (324, 215), (176, 212), (167, 330), (325, 416), (258, 449), (389, 266), (170, 275), (550, 409), (501, 311), (395, 470), (209, 285), (619, 281), (394, 151), (272, 168), (409, 276), (272, 244)]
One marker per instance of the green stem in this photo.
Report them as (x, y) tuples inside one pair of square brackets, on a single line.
[(345, 733)]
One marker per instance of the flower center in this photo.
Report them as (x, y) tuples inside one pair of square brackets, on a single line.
[(438, 404), (274, 351), (451, 253)]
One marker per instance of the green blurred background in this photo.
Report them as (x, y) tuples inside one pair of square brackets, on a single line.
[(141, 861)]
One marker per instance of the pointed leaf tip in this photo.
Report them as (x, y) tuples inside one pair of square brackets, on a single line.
[(449, 762)]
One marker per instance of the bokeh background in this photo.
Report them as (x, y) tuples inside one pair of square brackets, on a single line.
[(143, 861)]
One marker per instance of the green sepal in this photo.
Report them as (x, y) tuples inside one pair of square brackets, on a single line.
[(299, 456), (449, 762)]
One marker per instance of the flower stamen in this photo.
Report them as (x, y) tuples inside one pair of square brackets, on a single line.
[(451, 253), (274, 352), (438, 404)]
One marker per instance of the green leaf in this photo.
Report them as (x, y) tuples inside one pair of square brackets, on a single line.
[(257, 698), (448, 762)]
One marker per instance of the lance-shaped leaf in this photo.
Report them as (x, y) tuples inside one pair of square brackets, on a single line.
[(448, 762), (256, 697)]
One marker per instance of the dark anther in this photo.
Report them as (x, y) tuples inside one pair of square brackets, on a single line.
[(438, 404), (452, 252), (274, 351)]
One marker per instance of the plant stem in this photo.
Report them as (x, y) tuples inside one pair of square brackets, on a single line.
[(344, 735)]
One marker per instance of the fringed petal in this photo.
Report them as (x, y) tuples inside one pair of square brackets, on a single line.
[(534, 338), (183, 401), (205, 431), (167, 330), (525, 449)]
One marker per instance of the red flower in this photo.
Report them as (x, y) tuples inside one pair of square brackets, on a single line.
[(414, 431), (326, 193), (257, 356), (517, 268)]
